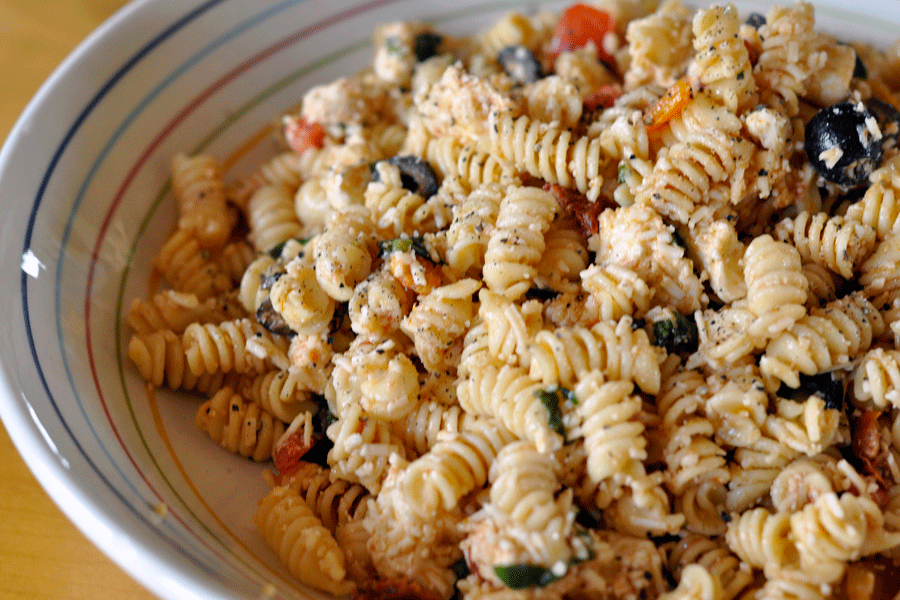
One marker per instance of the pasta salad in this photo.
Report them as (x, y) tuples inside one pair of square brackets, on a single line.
[(596, 304)]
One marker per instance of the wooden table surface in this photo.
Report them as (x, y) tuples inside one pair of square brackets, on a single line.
[(42, 555)]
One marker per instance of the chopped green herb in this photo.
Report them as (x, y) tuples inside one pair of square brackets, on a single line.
[(276, 250), (859, 69), (550, 398), (393, 45), (518, 577), (416, 244), (623, 172), (676, 335)]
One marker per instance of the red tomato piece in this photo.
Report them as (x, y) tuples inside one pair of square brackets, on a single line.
[(301, 134), (603, 97), (291, 447), (580, 24)]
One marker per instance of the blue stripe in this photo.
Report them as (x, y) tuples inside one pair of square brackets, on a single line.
[(67, 139), (95, 167)]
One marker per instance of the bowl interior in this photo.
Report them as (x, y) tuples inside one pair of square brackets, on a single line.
[(85, 172)]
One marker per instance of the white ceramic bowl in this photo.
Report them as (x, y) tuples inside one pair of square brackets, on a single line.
[(83, 180)]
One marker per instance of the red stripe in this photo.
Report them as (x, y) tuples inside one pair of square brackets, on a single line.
[(144, 157)]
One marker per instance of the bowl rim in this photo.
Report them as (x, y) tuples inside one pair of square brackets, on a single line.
[(24, 427), (133, 554)]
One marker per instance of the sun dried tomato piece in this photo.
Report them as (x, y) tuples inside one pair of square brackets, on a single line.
[(865, 437), (575, 203), (393, 589), (293, 445), (603, 97)]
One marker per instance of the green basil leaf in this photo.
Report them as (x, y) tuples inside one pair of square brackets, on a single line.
[(276, 250), (416, 244), (518, 577)]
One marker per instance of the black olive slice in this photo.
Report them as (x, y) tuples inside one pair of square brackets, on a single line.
[(268, 317), (416, 175), (823, 385), (756, 20), (843, 144), (520, 64), (426, 45), (888, 118)]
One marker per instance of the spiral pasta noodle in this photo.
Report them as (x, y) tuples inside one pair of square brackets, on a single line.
[(721, 61), (507, 393), (421, 428), (612, 437), (696, 464), (200, 194), (223, 347), (714, 555), (565, 355), (525, 314), (788, 40), (552, 154), (185, 265), (272, 218), (776, 287), (469, 233), (304, 545), (877, 378), (457, 464), (363, 449), (239, 426), (437, 323), (334, 502), (831, 242), (842, 328), (517, 242), (879, 208)]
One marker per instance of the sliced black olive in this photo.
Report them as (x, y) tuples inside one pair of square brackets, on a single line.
[(677, 335), (756, 20), (888, 118), (859, 69), (461, 569), (823, 385), (268, 279), (520, 63), (841, 145), (426, 45), (541, 294), (416, 175), (271, 319)]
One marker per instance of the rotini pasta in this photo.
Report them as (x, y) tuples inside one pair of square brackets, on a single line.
[(530, 315)]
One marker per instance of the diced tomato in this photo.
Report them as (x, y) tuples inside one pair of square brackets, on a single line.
[(291, 447), (580, 24), (603, 97), (301, 134), (669, 106)]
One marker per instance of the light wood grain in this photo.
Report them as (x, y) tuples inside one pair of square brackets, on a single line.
[(42, 555)]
